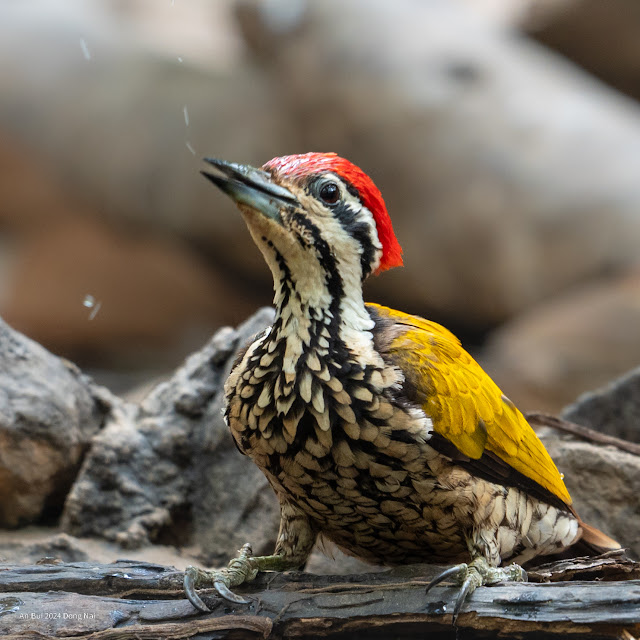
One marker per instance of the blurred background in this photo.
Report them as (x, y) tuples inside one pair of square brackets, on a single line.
[(504, 135)]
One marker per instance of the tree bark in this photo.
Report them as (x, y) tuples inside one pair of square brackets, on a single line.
[(595, 597)]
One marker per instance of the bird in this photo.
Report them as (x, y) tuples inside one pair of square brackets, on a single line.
[(374, 427)]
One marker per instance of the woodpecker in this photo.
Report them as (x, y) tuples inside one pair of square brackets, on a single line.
[(375, 428)]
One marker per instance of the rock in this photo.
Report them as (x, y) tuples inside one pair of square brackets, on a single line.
[(52, 550), (487, 148), (46, 545), (604, 483), (546, 357), (167, 468), (49, 411), (582, 31), (613, 409)]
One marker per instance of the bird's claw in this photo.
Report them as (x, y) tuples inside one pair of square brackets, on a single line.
[(193, 577), (476, 574), (447, 573), (238, 571), (223, 589)]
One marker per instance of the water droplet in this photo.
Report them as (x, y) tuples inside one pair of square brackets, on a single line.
[(191, 148), (186, 115), (85, 49), (91, 303)]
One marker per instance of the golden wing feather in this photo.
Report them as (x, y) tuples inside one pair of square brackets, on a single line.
[(465, 405)]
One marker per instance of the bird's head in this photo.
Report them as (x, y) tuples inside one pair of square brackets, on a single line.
[(316, 217)]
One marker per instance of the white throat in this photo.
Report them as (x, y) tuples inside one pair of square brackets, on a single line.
[(311, 318), (318, 292)]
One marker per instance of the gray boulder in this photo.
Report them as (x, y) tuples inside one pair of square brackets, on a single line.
[(49, 412), (166, 469), (604, 483), (547, 356), (614, 409)]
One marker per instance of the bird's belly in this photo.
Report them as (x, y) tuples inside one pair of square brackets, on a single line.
[(383, 520), (441, 514)]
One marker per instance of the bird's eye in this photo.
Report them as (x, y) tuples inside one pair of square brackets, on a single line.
[(330, 193)]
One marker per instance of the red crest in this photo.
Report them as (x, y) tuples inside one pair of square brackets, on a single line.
[(310, 163)]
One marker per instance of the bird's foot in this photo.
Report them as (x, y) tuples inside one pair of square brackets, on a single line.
[(241, 569), (476, 574)]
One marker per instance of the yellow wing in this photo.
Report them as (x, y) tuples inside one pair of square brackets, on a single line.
[(465, 405)]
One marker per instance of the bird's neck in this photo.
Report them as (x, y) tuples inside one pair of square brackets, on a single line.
[(327, 318)]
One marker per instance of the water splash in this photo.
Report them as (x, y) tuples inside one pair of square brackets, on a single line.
[(10, 605)]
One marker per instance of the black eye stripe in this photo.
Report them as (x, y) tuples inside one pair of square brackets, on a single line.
[(360, 231)]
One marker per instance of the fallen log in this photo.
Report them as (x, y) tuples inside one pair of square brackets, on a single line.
[(125, 600)]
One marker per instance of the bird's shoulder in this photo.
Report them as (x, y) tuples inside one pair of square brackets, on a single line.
[(466, 407)]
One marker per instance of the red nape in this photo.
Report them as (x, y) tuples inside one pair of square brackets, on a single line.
[(309, 163)]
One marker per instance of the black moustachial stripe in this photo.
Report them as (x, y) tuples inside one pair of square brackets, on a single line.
[(327, 261), (329, 319), (350, 221), (360, 231)]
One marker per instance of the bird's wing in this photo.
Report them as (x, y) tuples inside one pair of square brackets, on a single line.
[(466, 407)]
